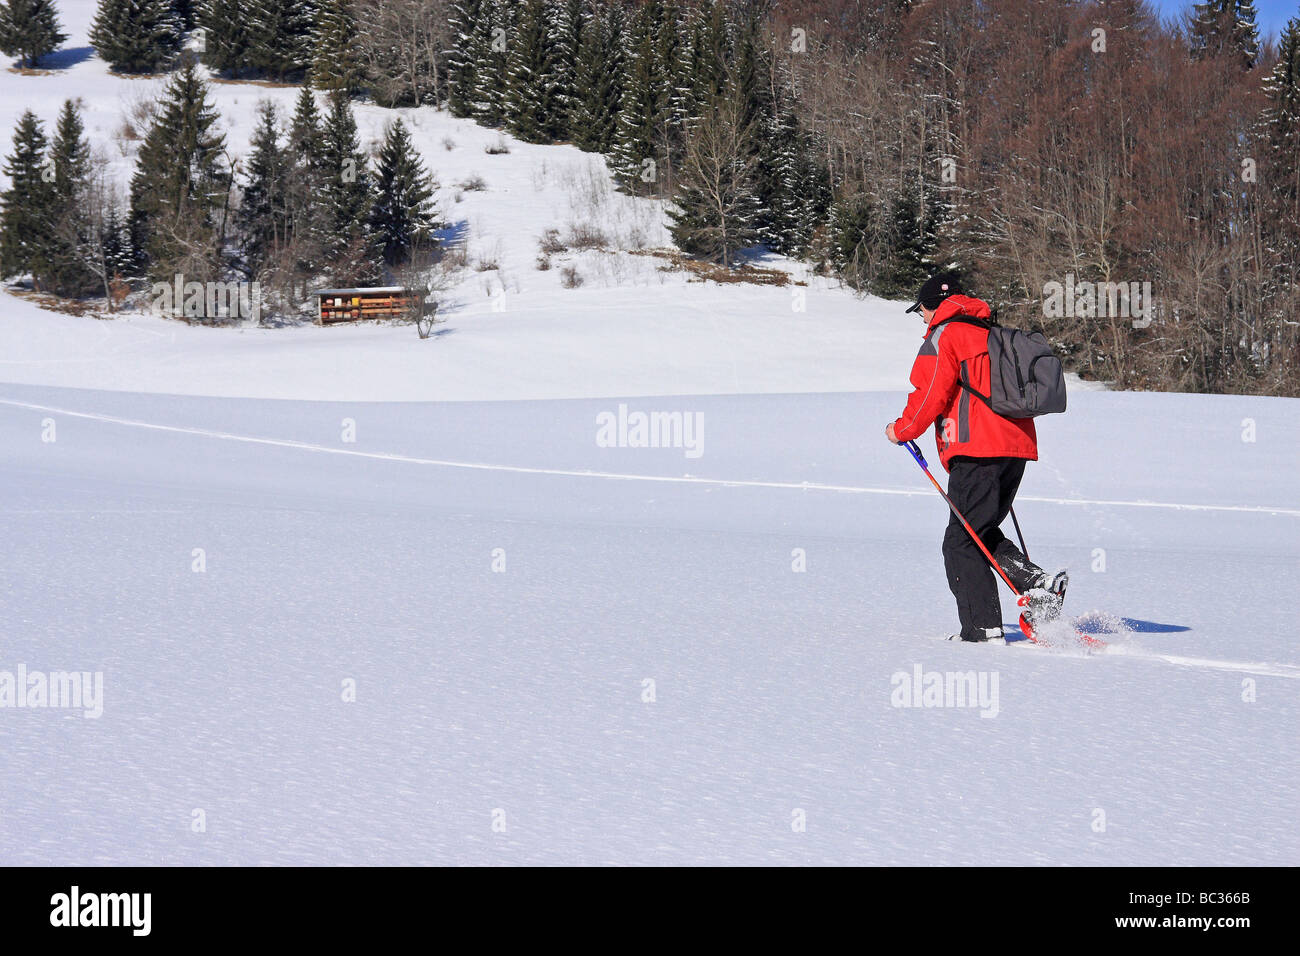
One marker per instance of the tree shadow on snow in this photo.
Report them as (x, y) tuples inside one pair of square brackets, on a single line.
[(452, 233), (65, 59)]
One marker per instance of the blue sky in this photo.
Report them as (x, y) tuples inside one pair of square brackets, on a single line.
[(1273, 14)]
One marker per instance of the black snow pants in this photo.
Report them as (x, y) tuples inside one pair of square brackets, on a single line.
[(983, 490)]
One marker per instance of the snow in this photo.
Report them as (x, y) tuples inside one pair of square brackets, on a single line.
[(521, 690), (351, 490)]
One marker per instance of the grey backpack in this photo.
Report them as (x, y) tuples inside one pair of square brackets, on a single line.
[(1025, 376)]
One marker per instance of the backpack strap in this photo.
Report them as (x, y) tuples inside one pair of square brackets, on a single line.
[(986, 399), (966, 320), (978, 323)]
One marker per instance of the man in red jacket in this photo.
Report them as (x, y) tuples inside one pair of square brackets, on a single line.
[(984, 454)]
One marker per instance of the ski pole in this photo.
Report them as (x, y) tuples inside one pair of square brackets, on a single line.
[(920, 460), (1020, 599), (1016, 521)]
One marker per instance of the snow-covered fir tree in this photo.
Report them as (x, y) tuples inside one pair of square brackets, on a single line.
[(136, 36), (403, 216), (335, 64), (27, 207), (308, 218), (263, 211), (668, 42), (70, 163), (226, 37), (567, 22), (532, 93), (69, 152), (1225, 28), (598, 81), (352, 254), (851, 227), (280, 36), (748, 72), (636, 156), (490, 46), (464, 20), (186, 12), (793, 187), (115, 246), (181, 184), (29, 29), (1281, 134), (711, 52)]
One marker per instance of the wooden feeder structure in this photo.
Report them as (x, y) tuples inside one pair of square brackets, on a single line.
[(353, 305)]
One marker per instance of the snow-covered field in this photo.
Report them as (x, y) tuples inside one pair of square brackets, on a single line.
[(513, 680), (360, 598)]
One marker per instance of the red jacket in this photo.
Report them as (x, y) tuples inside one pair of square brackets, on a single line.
[(963, 425)]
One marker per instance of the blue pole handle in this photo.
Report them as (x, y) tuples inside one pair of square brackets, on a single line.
[(915, 453)]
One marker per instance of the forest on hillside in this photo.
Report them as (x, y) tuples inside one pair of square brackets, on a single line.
[(1033, 146)]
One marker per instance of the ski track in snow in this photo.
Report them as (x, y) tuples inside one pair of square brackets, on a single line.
[(615, 476), (1260, 669)]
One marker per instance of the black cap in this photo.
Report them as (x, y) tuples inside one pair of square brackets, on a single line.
[(935, 289)]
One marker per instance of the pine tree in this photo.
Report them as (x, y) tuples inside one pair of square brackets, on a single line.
[(669, 132), (712, 53), (307, 215), (403, 216), (598, 84), (226, 39), (264, 213), (69, 155), (464, 22), (70, 160), (186, 12), (793, 188), (135, 36), (335, 65), (532, 98), (352, 252), (1281, 120), (489, 46), (1225, 28), (745, 77), (643, 109), (908, 248), (306, 142), (280, 34), (115, 242), (29, 29), (568, 20), (852, 227), (684, 87), (181, 185), (27, 206)]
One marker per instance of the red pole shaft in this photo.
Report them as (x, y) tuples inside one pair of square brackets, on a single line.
[(971, 531)]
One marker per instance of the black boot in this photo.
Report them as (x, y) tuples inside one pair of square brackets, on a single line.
[(1024, 574), (1046, 597)]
